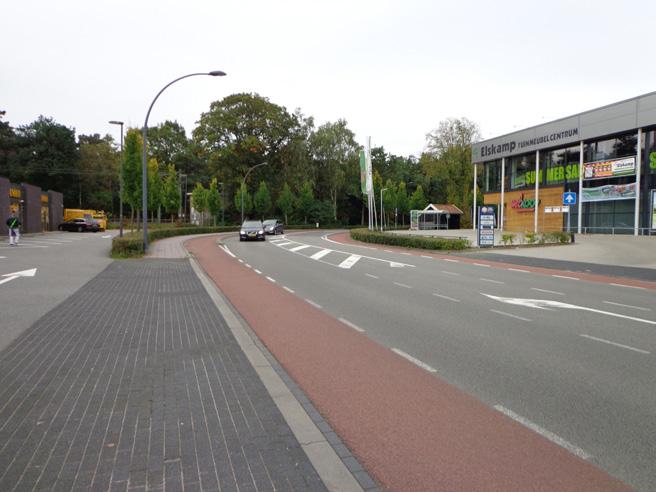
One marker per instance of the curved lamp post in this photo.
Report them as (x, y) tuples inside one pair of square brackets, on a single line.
[(144, 170), (243, 183)]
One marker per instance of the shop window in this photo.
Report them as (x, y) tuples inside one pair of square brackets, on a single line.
[(522, 171), (560, 165), (612, 148), (492, 177)]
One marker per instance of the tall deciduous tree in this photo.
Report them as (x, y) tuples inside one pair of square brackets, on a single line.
[(247, 203), (98, 171), (418, 200), (155, 186), (199, 201), (132, 171), (262, 200), (285, 202), (171, 199), (214, 199), (305, 201), (402, 201)]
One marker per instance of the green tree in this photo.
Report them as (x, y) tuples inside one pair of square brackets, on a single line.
[(402, 202), (214, 199), (285, 201), (389, 199), (199, 201), (262, 200), (155, 188), (171, 199), (98, 172), (418, 200), (132, 171), (247, 203), (168, 143), (305, 201)]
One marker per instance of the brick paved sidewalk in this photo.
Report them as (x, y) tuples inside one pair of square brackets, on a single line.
[(136, 383)]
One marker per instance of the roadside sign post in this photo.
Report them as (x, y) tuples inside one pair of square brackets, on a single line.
[(485, 227), (569, 199)]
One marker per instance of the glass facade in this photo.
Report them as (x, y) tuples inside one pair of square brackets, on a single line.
[(560, 166), (522, 171), (492, 177)]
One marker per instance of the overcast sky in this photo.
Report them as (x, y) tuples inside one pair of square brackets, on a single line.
[(392, 68)]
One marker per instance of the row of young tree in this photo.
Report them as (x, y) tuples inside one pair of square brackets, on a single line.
[(235, 134)]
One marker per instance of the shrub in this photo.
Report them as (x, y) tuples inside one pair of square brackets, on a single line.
[(507, 238), (531, 237), (434, 243)]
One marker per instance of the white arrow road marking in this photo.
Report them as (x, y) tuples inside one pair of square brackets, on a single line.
[(350, 261), (549, 305), (12, 276)]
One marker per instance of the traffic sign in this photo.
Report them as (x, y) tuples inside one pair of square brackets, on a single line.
[(569, 198)]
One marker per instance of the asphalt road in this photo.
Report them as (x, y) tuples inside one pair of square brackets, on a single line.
[(572, 359), (64, 262)]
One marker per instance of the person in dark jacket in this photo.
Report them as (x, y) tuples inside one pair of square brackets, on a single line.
[(13, 224)]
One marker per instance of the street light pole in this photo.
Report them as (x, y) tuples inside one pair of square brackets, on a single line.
[(381, 209), (243, 184), (120, 182), (144, 165)]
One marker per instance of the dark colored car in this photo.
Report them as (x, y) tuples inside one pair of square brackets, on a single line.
[(273, 226), (79, 225), (252, 229)]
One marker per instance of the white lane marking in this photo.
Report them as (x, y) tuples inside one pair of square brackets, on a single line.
[(286, 243), (518, 270), (288, 289), (271, 279), (490, 280), (603, 340), (298, 248), (511, 315), (320, 254), (450, 273), (407, 254), (426, 256), (248, 265), (548, 304), (225, 248), (548, 291), (351, 325), (312, 303), (482, 265), (107, 236), (350, 261), (629, 286), (627, 306), (276, 241), (257, 271), (544, 432), (452, 261), (417, 362), (241, 261), (565, 276), (2, 257), (403, 285), (445, 297), (370, 275), (8, 279), (388, 251)]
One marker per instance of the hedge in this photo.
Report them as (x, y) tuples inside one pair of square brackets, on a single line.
[(131, 245), (421, 242)]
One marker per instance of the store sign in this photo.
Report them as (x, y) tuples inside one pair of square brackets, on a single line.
[(486, 227), (609, 169), (609, 192), (523, 204)]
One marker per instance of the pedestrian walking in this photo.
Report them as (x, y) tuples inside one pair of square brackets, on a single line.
[(13, 224)]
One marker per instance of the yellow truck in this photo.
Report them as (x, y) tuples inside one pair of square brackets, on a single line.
[(78, 213)]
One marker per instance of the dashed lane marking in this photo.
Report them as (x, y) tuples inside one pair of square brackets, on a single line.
[(257, 271), (627, 306), (320, 254), (415, 361), (518, 270), (544, 432), (548, 291), (628, 286), (312, 303), (271, 279), (491, 281), (299, 248), (241, 261), (426, 256), (482, 265), (351, 325), (350, 261), (288, 289), (441, 296), (371, 276), (511, 315), (603, 340), (567, 277), (405, 286), (247, 265), (450, 273), (452, 261)]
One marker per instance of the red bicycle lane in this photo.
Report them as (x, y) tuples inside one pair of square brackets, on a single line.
[(410, 429)]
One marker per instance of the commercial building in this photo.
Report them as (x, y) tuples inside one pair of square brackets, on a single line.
[(38, 211), (604, 158)]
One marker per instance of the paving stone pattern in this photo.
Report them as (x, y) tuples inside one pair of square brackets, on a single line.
[(136, 383)]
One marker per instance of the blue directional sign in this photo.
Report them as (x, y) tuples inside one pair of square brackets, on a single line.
[(569, 198)]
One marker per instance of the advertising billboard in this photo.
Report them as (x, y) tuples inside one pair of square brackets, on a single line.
[(609, 192), (609, 169)]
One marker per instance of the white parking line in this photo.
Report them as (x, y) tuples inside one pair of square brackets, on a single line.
[(320, 254), (492, 281), (406, 286), (544, 432), (349, 262), (417, 362), (351, 325), (312, 303), (288, 289), (628, 286), (602, 340), (298, 248), (548, 291), (370, 275), (627, 306), (565, 276), (510, 315), (445, 297)]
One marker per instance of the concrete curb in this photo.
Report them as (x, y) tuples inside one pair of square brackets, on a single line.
[(330, 467)]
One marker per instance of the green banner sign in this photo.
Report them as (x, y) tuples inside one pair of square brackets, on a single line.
[(609, 192), (363, 172)]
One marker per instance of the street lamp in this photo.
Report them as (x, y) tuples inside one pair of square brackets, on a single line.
[(144, 165), (243, 184), (120, 182), (381, 209)]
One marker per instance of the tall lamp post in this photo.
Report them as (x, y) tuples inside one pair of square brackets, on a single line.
[(120, 182), (144, 165), (381, 208), (243, 184)]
